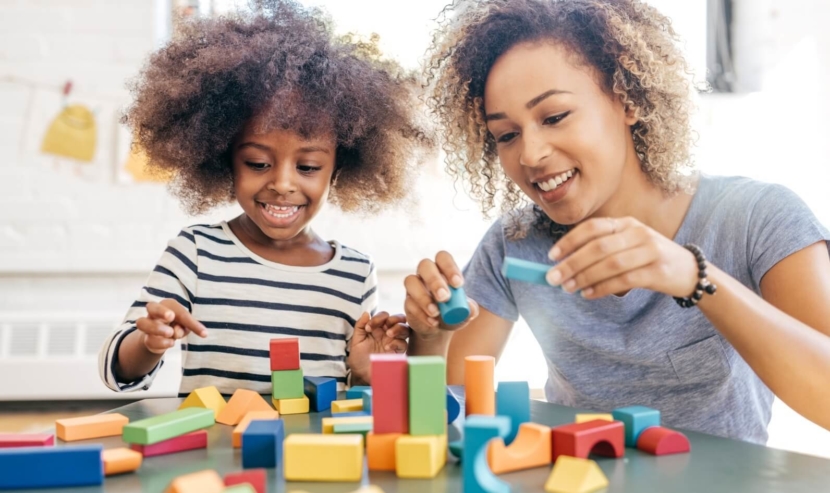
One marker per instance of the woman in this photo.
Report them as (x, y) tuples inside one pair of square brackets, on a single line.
[(699, 296)]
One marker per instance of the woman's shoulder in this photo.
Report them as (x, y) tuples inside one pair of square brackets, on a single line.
[(741, 190)]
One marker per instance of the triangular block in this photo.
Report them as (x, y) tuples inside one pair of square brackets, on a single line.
[(241, 403), (575, 475), (206, 397), (657, 440)]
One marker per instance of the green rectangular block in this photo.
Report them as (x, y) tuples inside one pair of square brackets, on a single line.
[(427, 395), (153, 430), (353, 428), (287, 384), (240, 488)]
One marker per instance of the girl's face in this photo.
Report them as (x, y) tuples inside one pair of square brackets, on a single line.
[(281, 179), (559, 136)]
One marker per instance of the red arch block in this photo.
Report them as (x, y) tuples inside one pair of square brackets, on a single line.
[(657, 440), (606, 438)]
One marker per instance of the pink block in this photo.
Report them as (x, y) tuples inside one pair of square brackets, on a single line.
[(8, 440), (191, 441), (254, 477)]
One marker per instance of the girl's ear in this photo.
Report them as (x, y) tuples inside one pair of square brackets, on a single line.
[(334, 176)]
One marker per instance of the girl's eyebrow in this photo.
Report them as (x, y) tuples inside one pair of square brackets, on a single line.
[(314, 149), (253, 144)]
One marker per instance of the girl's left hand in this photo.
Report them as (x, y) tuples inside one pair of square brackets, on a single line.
[(382, 333), (604, 256)]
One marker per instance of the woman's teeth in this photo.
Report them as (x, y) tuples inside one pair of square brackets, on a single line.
[(281, 212), (557, 180)]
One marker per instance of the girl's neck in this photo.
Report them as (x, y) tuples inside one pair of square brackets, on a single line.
[(305, 249)]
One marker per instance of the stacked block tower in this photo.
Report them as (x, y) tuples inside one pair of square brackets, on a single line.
[(287, 390)]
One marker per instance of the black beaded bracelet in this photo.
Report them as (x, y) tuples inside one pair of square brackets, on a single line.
[(703, 284)]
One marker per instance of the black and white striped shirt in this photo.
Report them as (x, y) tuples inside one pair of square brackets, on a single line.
[(245, 301)]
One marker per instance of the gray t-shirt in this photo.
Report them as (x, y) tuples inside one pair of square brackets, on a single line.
[(642, 348)]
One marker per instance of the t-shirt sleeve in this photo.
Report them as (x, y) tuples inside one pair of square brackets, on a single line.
[(483, 280), (780, 225)]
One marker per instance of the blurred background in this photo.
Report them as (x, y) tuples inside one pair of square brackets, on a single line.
[(81, 225)]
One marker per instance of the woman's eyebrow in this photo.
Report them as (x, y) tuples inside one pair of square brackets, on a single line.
[(530, 104)]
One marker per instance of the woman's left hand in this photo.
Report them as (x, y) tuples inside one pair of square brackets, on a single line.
[(604, 256)]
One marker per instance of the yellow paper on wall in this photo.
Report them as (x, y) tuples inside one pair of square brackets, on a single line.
[(136, 166), (72, 134)]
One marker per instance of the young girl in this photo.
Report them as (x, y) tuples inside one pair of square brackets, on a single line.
[(269, 110), (582, 107)]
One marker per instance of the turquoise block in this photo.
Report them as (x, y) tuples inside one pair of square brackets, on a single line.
[(367, 401), (453, 407), (356, 392), (636, 419), (478, 431), (456, 449), (513, 401), (523, 270), (456, 309)]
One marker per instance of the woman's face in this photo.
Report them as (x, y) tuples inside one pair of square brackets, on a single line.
[(559, 136)]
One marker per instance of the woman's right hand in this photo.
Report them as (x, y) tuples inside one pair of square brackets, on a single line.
[(428, 287), (166, 322)]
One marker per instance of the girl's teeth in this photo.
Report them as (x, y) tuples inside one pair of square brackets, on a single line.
[(281, 212)]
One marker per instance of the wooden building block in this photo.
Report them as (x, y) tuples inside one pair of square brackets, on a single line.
[(585, 417), (183, 443), (479, 431), (453, 407), (480, 395), (456, 448), (531, 448), (427, 395), (241, 403), (593, 437), (160, 428), (285, 354), (87, 427), (456, 309), (328, 424), (636, 419), (657, 440), (390, 393), (207, 481), (51, 467), (257, 478), (11, 440), (367, 401), (420, 456), (240, 428), (207, 398), (353, 414), (342, 455), (120, 460), (346, 406), (353, 429), (291, 406), (287, 384), (262, 444), (240, 488), (380, 451), (513, 401), (575, 475), (525, 271), (356, 392), (321, 391)]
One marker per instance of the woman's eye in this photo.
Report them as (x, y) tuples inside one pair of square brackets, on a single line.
[(506, 137), (553, 120), (256, 166)]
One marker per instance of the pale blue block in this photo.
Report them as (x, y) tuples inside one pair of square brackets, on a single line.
[(478, 431), (636, 419), (456, 309), (367, 401), (356, 392), (513, 401), (523, 270), (350, 414)]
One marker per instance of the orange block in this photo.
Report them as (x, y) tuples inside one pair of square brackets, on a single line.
[(199, 482), (380, 451), (531, 448), (98, 426), (120, 460), (478, 384), (241, 403), (243, 425)]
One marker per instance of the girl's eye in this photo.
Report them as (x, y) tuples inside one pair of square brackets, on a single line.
[(553, 120), (506, 137), (256, 166), (305, 168)]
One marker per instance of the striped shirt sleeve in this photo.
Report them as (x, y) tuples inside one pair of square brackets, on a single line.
[(174, 277)]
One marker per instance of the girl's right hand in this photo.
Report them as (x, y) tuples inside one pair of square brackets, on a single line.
[(167, 321), (428, 287)]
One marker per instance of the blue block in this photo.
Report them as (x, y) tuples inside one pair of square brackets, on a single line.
[(51, 467), (356, 392), (367, 401), (523, 270), (453, 407), (456, 309), (636, 419), (513, 401), (478, 431), (262, 443), (321, 391)]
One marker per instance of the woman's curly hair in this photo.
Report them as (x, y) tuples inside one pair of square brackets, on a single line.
[(629, 44), (280, 61)]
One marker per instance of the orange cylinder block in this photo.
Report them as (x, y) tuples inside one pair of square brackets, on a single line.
[(480, 393)]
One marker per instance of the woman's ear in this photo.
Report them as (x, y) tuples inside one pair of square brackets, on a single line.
[(631, 115)]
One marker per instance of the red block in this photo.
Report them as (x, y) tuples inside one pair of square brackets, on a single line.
[(254, 477), (8, 440), (390, 393), (657, 440), (600, 437), (190, 441), (285, 354)]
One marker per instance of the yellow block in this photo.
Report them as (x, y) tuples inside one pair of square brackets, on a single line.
[(347, 406), (328, 423), (420, 456), (243, 425), (366, 489), (84, 428), (206, 397), (583, 418), (304, 456), (575, 475), (120, 460), (291, 406), (241, 403), (198, 482)]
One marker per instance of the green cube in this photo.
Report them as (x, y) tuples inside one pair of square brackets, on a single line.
[(427, 395), (353, 428), (153, 430), (287, 384)]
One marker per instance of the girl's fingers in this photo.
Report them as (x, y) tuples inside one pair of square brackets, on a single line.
[(399, 331), (157, 344), (379, 320), (395, 320), (184, 317), (396, 346), (362, 322), (153, 327), (158, 311)]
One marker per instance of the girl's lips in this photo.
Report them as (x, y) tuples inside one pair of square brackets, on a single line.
[(279, 217)]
